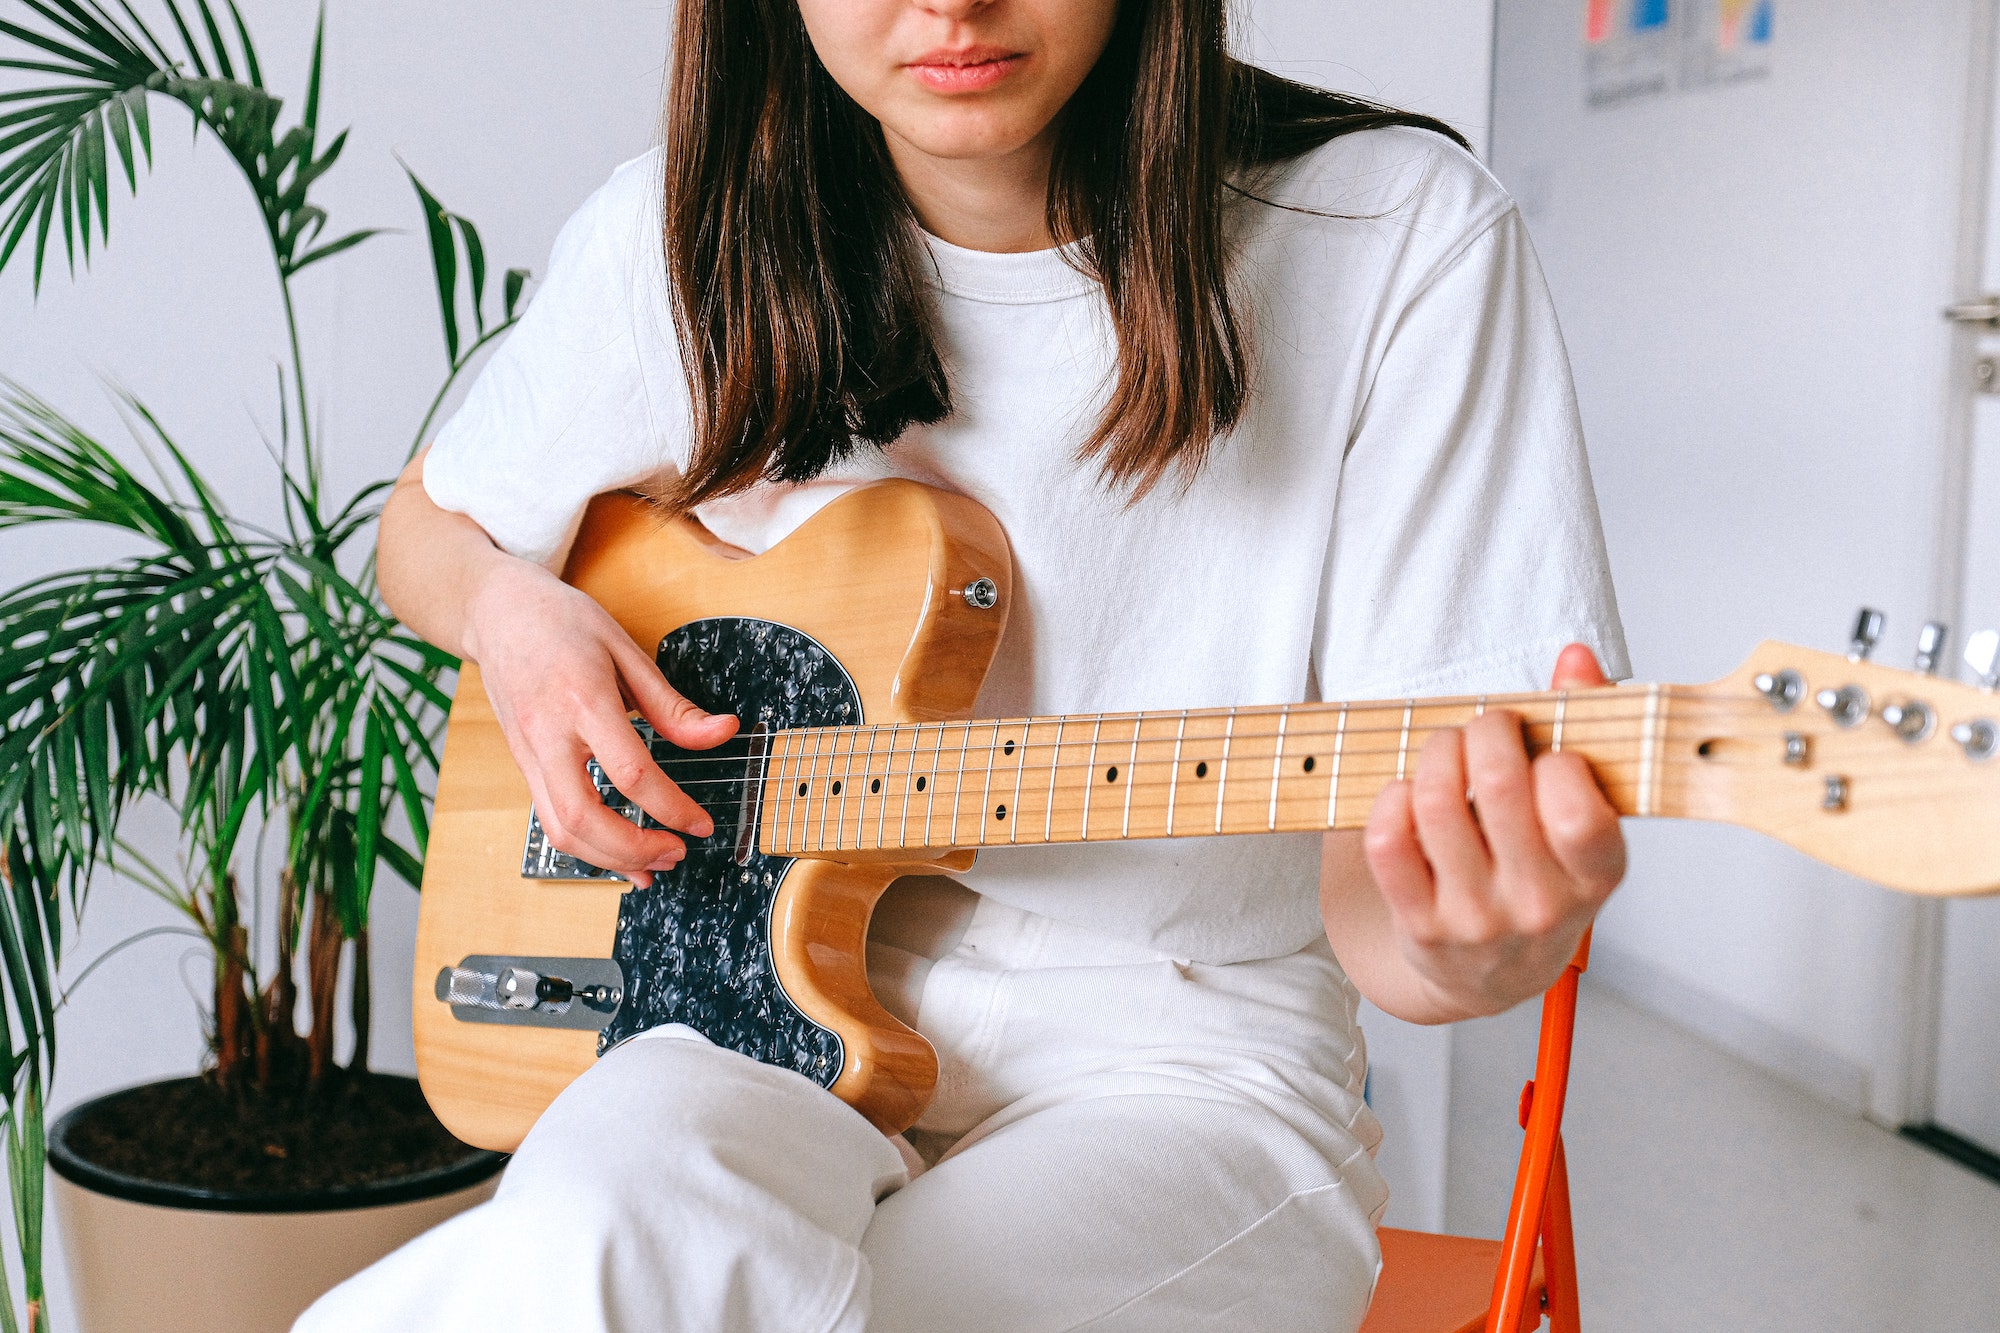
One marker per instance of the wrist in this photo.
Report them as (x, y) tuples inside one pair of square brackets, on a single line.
[(498, 586)]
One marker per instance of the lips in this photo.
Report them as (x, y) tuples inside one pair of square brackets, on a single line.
[(966, 69)]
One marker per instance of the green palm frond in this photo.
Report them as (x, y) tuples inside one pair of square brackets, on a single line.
[(58, 139)]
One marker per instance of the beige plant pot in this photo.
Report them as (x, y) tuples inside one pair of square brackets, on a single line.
[(140, 1264)]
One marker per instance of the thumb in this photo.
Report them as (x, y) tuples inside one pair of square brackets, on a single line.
[(671, 714), (1577, 669)]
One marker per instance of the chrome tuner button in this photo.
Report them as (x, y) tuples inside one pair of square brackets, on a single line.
[(1867, 629), (1979, 738), (1783, 688), (982, 594), (1848, 704), (1930, 646), (1981, 650), (1914, 721)]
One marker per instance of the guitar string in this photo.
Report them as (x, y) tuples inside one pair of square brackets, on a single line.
[(1578, 734), (1595, 751), (1616, 769), (1883, 799)]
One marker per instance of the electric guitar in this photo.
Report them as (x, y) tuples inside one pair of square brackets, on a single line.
[(852, 652)]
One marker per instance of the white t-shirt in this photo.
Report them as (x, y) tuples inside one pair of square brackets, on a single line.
[(1405, 508)]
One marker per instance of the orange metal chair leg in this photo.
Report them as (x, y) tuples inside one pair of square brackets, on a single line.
[(1559, 1250)]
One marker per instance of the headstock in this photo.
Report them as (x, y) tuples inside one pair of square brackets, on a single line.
[(1891, 775)]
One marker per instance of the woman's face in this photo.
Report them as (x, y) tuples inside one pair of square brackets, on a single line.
[(960, 79)]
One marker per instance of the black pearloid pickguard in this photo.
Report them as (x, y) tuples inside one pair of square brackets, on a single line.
[(696, 946)]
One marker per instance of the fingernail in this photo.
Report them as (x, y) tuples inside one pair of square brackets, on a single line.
[(703, 829)]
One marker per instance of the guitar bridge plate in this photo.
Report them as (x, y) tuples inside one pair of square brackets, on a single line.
[(525, 990)]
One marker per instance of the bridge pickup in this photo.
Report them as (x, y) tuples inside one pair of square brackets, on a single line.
[(533, 991)]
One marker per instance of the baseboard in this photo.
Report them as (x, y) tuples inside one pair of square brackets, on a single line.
[(1795, 1059)]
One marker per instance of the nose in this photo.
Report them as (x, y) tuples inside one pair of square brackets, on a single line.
[(953, 10)]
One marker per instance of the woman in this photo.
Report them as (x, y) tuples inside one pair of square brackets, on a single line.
[(1264, 387)]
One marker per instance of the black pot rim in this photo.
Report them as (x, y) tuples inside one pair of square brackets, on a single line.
[(479, 1165)]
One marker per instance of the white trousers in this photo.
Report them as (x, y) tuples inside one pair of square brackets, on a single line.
[(1141, 1144)]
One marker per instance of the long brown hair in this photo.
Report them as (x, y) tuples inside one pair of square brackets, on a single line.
[(798, 275)]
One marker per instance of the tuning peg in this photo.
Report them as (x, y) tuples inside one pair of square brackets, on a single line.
[(1981, 650), (1930, 646), (1867, 629)]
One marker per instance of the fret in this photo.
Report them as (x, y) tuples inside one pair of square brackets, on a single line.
[(931, 781), (1173, 782), (909, 783), (1562, 707), (868, 790), (1222, 777), (1403, 746), (1090, 774), (957, 777), (1277, 770), (987, 819), (1131, 776), (1648, 747), (1333, 782), (833, 788), (1020, 769), (1055, 767)]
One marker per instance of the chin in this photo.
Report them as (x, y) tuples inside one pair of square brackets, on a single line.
[(969, 135)]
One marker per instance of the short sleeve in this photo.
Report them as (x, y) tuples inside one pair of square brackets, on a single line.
[(585, 395), (1466, 550)]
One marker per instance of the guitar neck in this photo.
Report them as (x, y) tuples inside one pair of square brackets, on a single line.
[(1194, 773)]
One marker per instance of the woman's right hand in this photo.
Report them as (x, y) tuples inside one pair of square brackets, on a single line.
[(562, 675)]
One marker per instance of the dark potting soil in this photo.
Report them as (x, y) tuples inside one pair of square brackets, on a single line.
[(195, 1134)]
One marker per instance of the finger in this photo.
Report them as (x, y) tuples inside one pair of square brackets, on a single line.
[(1503, 790), (1446, 827), (671, 714), (576, 821), (1396, 859), (1581, 825), (1577, 669), (631, 768)]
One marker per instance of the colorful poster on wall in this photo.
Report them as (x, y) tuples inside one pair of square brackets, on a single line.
[(1644, 48), (1629, 49), (1728, 40)]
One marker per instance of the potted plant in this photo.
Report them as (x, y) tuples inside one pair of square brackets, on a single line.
[(249, 678)]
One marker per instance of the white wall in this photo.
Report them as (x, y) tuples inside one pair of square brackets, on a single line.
[(511, 114), (1750, 279), (1435, 57)]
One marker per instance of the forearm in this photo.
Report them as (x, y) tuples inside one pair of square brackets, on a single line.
[(433, 564)]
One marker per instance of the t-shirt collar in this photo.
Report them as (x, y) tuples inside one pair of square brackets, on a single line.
[(1029, 278)]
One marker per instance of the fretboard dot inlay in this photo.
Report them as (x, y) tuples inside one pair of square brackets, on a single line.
[(999, 812), (802, 789), (1309, 763), (1111, 775), (1201, 769), (1008, 748), (920, 784), (836, 789), (875, 786)]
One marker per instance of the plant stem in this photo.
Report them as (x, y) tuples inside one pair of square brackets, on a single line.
[(359, 1003), (423, 427), (312, 468), (322, 979)]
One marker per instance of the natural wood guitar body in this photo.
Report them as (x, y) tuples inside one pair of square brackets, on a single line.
[(880, 584)]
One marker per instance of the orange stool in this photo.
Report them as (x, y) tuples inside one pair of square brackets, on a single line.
[(1455, 1284)]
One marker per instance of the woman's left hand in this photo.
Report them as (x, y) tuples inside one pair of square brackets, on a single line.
[(1491, 866)]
